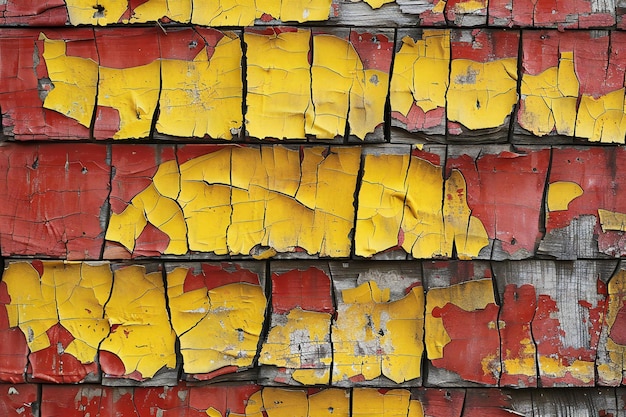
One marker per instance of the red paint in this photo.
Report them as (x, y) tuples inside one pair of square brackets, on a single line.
[(487, 403), (18, 400), (186, 43), (185, 153), (151, 242), (441, 402), (375, 50), (52, 364), (516, 314), (433, 158), (210, 375), (87, 400), (596, 171), (224, 398), (494, 184), (162, 401), (484, 45), (52, 198), (417, 120), (34, 12), (111, 364), (216, 275), (127, 47), (474, 336), (106, 123), (24, 118), (548, 13), (13, 349), (310, 290)]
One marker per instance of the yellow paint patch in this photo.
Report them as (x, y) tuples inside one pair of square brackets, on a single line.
[(330, 403), (377, 4), (461, 228), (470, 6), (279, 81), (217, 328), (611, 371), (554, 368), (74, 80), (421, 72), (550, 99), (388, 335), (482, 95), (207, 100), (370, 402), (70, 294), (285, 403), (300, 342), (561, 193), (602, 119), (142, 338), (612, 220), (469, 296), (134, 93), (153, 10), (85, 12), (237, 198)]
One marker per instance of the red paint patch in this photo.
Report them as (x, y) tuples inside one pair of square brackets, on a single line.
[(18, 400), (151, 242), (474, 337), (309, 290), (374, 49), (484, 45), (110, 363), (224, 398)]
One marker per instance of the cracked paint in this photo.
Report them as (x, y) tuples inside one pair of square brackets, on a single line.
[(610, 364), (511, 225), (52, 196), (141, 341), (244, 12), (461, 323), (384, 403), (298, 342), (34, 12), (590, 224), (207, 101), (483, 79), (379, 325), (566, 348), (13, 349), (19, 400), (567, 90), (420, 80), (59, 307), (466, 12), (217, 313), (571, 14), (250, 198)]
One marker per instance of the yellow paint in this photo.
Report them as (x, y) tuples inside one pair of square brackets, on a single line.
[(216, 328), (521, 366), (377, 4), (153, 10), (70, 294), (482, 95), (550, 99), (279, 402), (134, 93), (302, 333), (212, 412), (461, 227), (330, 403), (234, 199), (612, 220), (367, 318), (74, 81), (143, 338), (470, 6), (612, 369), (83, 12), (243, 12), (469, 296), (561, 193), (303, 10), (254, 405), (554, 368), (370, 402), (279, 84), (207, 100), (602, 119), (421, 72), (402, 195)]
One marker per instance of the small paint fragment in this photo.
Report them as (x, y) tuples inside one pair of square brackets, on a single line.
[(561, 193)]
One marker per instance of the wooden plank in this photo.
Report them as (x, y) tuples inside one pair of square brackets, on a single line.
[(571, 298), (377, 336), (297, 349), (575, 402), (568, 91), (582, 217), (577, 14), (612, 346), (483, 84), (218, 312), (491, 181), (419, 82), (462, 341), (138, 352), (53, 196)]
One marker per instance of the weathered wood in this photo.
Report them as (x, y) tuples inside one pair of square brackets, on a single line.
[(462, 341), (377, 336), (577, 14), (297, 349), (571, 299)]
